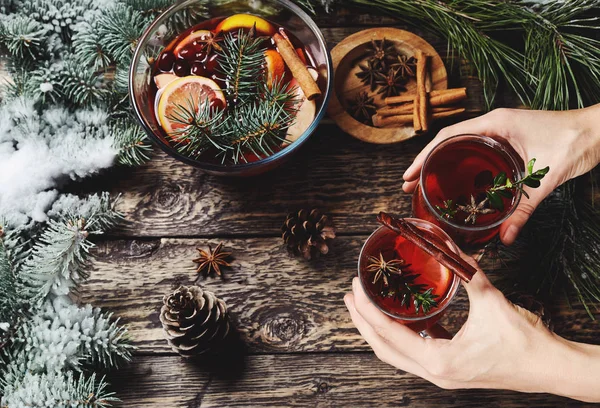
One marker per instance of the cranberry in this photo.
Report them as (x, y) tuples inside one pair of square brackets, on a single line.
[(197, 69), (165, 61), (187, 52), (181, 68)]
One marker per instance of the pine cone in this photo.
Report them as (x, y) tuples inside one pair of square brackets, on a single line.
[(194, 320), (533, 305), (305, 233)]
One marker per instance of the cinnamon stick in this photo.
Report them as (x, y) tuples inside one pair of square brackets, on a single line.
[(416, 119), (443, 255), (406, 118), (422, 106), (436, 98), (408, 108), (297, 67)]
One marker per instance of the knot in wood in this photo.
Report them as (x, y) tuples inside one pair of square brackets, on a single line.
[(284, 328), (322, 388), (168, 195)]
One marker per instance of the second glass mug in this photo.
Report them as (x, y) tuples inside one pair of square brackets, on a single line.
[(449, 170), (385, 242)]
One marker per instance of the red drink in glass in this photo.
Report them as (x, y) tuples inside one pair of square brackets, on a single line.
[(462, 168), (428, 272)]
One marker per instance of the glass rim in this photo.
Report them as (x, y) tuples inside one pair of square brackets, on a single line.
[(233, 168), (479, 139), (453, 288)]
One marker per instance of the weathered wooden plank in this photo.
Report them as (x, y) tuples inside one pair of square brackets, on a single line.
[(278, 303), (314, 380)]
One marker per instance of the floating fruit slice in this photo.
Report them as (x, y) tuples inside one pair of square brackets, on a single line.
[(183, 92), (237, 21), (275, 66), (163, 80), (304, 117), (199, 35)]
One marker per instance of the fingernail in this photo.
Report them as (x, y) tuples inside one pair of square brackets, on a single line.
[(511, 234), (406, 172), (355, 284), (404, 185), (347, 301)]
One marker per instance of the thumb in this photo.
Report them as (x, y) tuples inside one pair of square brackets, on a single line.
[(480, 283), (510, 229)]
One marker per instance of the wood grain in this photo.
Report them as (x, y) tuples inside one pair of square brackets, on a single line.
[(278, 303), (308, 380)]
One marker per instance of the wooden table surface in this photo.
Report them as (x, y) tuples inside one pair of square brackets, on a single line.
[(297, 345)]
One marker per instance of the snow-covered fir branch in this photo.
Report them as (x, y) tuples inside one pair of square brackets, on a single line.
[(59, 391)]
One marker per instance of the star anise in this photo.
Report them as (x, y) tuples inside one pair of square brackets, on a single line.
[(382, 53), (475, 209), (368, 74), (212, 261), (405, 65), (211, 42), (362, 107), (383, 269), (391, 84)]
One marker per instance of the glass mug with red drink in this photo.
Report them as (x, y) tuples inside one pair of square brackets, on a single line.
[(470, 185), (406, 281)]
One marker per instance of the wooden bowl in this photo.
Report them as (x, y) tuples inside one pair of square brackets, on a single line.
[(346, 85)]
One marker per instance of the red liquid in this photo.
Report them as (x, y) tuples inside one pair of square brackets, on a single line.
[(431, 273), (457, 171), (193, 60)]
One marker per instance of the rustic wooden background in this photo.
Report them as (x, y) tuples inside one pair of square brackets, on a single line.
[(296, 344)]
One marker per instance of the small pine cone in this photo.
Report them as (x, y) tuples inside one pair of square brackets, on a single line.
[(305, 233), (194, 320), (532, 305)]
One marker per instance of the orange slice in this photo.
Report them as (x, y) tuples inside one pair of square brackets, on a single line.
[(305, 115), (237, 21), (193, 36), (275, 66), (187, 92)]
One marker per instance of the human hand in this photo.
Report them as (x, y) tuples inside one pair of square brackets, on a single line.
[(500, 346), (568, 142)]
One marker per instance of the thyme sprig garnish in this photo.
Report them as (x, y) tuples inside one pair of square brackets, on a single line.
[(504, 186), (448, 210), (397, 282), (501, 187)]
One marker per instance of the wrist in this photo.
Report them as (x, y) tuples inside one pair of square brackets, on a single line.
[(587, 123), (572, 370)]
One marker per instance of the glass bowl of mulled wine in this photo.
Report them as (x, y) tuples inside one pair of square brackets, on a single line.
[(404, 281), (232, 87), (455, 184)]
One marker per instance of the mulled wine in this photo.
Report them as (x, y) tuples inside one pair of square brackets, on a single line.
[(234, 90), (469, 185), (403, 280)]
